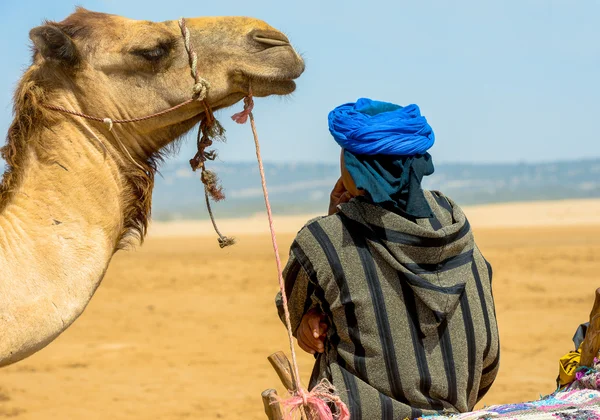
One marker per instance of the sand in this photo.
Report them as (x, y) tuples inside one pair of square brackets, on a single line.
[(181, 329)]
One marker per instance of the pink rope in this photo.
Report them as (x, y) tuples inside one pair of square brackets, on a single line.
[(317, 400)]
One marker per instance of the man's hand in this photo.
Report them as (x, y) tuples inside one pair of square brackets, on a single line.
[(338, 196), (311, 332)]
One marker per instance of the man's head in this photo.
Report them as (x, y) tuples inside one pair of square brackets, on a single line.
[(384, 154)]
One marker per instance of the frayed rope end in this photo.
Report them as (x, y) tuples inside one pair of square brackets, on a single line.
[(226, 241), (317, 402), (213, 187)]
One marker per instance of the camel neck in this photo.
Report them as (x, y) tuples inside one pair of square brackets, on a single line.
[(58, 233)]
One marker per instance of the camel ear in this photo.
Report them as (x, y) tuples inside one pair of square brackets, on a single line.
[(55, 45)]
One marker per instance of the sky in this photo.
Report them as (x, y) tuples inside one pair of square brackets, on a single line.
[(499, 81)]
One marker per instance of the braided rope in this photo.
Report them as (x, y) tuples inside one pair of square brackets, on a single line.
[(286, 311), (201, 86), (199, 92), (242, 118), (110, 122), (224, 241), (316, 401)]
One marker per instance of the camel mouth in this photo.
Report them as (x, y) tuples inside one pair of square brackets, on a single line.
[(271, 85), (279, 82)]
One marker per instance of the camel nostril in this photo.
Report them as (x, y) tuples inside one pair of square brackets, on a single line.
[(269, 38)]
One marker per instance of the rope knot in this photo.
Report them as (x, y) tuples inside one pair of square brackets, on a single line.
[(109, 123), (200, 90), (304, 396)]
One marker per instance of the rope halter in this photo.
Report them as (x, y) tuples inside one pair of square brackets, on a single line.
[(209, 127), (200, 91)]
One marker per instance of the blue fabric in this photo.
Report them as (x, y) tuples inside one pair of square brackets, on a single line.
[(393, 182), (370, 127)]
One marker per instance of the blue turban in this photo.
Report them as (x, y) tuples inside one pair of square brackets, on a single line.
[(385, 151), (380, 128)]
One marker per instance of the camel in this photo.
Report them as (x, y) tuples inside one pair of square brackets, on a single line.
[(74, 192)]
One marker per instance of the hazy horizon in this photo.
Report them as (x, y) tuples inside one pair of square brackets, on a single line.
[(181, 158)]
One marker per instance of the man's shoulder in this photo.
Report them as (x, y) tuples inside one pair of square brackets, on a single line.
[(317, 224), (314, 220)]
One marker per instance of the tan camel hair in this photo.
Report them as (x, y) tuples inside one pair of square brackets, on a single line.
[(71, 197)]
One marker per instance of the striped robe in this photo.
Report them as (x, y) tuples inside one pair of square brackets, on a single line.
[(412, 325)]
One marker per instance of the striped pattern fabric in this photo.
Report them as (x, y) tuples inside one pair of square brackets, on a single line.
[(409, 304)]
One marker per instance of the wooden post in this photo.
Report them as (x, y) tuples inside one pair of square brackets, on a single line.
[(283, 367), (272, 406), (591, 343)]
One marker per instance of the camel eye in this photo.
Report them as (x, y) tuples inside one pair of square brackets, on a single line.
[(152, 55)]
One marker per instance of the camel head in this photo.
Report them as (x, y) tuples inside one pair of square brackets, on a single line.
[(110, 66)]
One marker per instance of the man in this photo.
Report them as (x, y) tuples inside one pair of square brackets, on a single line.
[(390, 291)]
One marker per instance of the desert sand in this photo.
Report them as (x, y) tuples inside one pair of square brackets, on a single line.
[(181, 329)]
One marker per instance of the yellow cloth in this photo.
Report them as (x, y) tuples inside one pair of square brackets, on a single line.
[(567, 367)]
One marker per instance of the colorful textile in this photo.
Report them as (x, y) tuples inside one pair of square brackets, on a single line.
[(370, 127), (581, 404), (579, 401), (586, 378)]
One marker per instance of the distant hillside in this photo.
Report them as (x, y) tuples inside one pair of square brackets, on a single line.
[(304, 188)]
